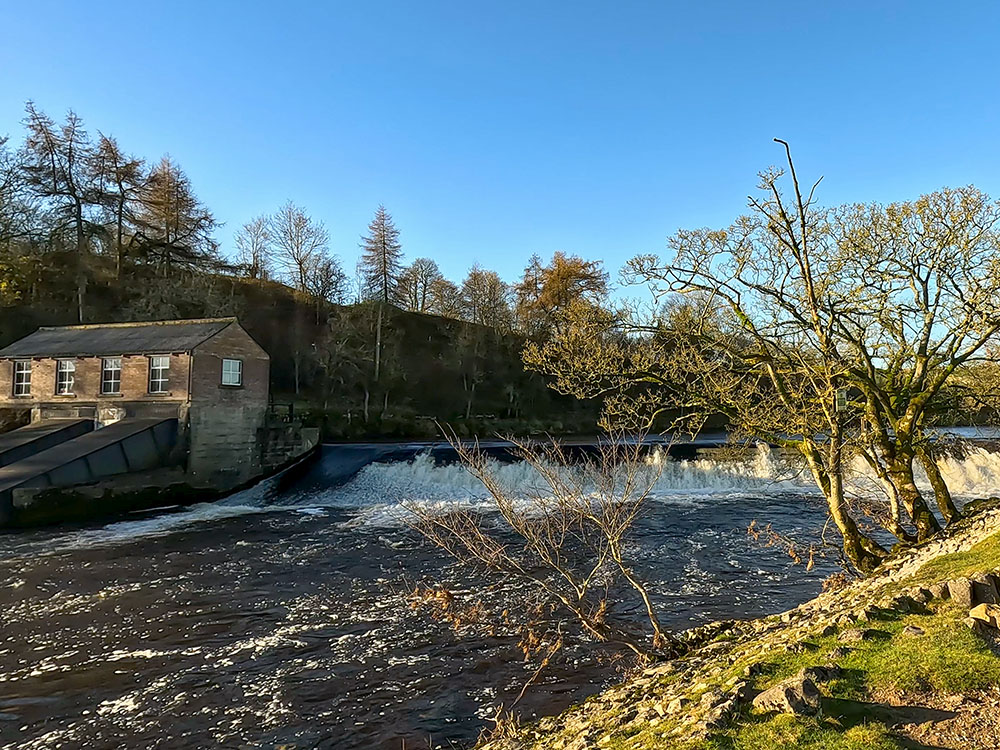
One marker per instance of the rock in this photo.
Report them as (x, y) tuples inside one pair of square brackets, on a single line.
[(710, 700), (939, 590), (913, 630), (675, 706), (828, 630), (823, 673), (987, 613), (919, 594), (868, 614), (718, 716), (753, 669), (838, 653), (854, 635), (906, 605), (984, 590), (797, 695), (978, 627), (741, 690), (961, 593)]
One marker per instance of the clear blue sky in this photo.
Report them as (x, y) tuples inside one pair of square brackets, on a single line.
[(491, 131)]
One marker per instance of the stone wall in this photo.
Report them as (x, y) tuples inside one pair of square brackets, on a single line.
[(223, 447), (224, 420)]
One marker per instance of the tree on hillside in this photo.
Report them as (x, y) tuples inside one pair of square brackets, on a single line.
[(15, 213), (545, 290), (416, 283), (445, 299), (326, 281), (486, 299), (381, 259), (58, 170), (174, 228), (120, 184), (299, 242), (254, 248)]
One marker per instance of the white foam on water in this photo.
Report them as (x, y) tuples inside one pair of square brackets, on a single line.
[(381, 493)]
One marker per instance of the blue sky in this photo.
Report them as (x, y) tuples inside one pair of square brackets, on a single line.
[(491, 131)]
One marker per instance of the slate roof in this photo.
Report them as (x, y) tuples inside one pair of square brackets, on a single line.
[(162, 337)]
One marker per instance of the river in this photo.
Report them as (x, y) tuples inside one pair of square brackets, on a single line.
[(278, 616)]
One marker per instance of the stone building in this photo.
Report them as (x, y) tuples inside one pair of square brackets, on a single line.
[(208, 374)]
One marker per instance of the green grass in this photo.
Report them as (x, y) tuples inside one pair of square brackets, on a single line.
[(983, 556), (947, 658), (786, 732)]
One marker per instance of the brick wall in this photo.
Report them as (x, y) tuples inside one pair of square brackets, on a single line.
[(87, 383), (206, 370)]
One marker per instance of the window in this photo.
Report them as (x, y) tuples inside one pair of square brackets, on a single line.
[(111, 376), (232, 372), (159, 368), (65, 377), (22, 378)]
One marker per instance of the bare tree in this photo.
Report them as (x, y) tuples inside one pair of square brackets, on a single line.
[(486, 299), (254, 247), (416, 282), (445, 299), (325, 281), (298, 241), (543, 291)]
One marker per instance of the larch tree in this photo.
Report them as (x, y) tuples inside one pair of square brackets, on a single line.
[(381, 262), (174, 228), (57, 168), (120, 182)]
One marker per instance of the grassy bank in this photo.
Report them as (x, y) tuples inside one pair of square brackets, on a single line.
[(900, 668)]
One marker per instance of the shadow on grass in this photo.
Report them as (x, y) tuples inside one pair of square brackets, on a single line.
[(852, 713)]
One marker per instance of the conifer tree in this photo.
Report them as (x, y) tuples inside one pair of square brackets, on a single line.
[(174, 227), (381, 259)]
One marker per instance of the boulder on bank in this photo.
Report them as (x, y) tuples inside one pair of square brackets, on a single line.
[(797, 695), (988, 614), (961, 592), (984, 589)]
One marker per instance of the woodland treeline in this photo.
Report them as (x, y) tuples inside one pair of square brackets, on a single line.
[(91, 232)]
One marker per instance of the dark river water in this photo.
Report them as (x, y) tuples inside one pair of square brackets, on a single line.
[(278, 618)]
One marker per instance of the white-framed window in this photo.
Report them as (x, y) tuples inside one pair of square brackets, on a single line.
[(111, 376), (159, 371), (65, 377), (22, 377), (232, 372)]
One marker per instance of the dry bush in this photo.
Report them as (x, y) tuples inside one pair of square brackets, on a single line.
[(562, 543)]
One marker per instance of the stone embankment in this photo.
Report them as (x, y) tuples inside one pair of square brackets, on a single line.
[(908, 655)]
